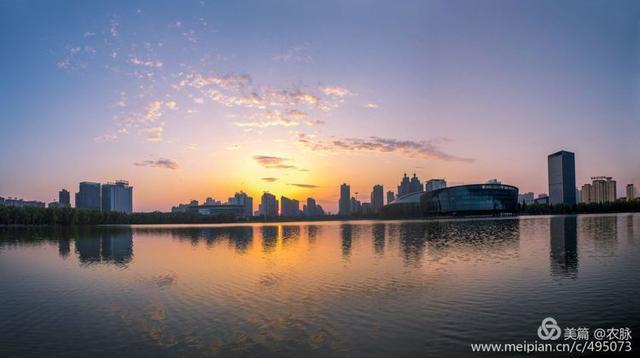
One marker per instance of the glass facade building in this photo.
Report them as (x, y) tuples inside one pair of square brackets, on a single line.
[(470, 199), (474, 199), (562, 178)]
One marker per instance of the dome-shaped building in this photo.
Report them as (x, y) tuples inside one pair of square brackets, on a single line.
[(474, 199)]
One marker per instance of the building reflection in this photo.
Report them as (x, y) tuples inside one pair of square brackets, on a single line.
[(563, 246), (240, 237), (290, 234), (484, 239), (378, 234), (114, 247), (64, 247), (413, 238), (312, 232), (602, 233), (269, 238), (346, 235)]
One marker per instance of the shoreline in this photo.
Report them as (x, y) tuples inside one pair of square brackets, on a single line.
[(317, 220)]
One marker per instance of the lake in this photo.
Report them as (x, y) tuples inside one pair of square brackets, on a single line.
[(359, 288)]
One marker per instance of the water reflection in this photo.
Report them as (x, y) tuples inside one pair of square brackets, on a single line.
[(269, 238), (602, 232), (64, 247), (108, 247), (378, 233), (563, 247), (346, 235), (379, 288)]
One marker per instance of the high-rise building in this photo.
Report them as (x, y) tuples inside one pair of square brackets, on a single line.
[(289, 207), (344, 204), (377, 198), (268, 205), (631, 192), (403, 188), (585, 194), (562, 178), (355, 206), (415, 184), (88, 196), (117, 196), (526, 198), (390, 196), (433, 184), (241, 198), (64, 199), (312, 208), (603, 190), (408, 186)]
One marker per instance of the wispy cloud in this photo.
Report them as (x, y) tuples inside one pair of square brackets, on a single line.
[(294, 54), (372, 105), (159, 163), (272, 118), (154, 134), (269, 179), (306, 186), (423, 149), (273, 162), (336, 91)]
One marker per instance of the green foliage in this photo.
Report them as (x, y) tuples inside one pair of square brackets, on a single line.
[(582, 208), (10, 215)]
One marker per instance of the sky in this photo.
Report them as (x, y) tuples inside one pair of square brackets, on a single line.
[(195, 99)]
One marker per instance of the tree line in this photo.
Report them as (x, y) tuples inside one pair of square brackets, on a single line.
[(10, 215)]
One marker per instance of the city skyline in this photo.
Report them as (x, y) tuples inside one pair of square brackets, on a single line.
[(200, 99)]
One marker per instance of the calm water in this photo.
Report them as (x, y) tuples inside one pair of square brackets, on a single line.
[(334, 288)]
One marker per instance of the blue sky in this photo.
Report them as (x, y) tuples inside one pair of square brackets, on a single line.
[(184, 98)]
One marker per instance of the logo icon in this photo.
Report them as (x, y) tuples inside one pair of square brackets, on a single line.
[(549, 329)]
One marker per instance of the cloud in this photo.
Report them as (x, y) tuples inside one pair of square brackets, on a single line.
[(273, 162), (171, 105), (269, 179), (153, 110), (372, 105), (295, 54), (307, 186), (335, 91), (154, 134), (159, 163), (271, 118), (422, 149), (146, 63), (313, 122)]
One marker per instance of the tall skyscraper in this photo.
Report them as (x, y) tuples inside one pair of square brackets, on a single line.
[(403, 188), (88, 196), (390, 196), (631, 192), (377, 198), (415, 185), (289, 207), (268, 205), (241, 198), (64, 199), (344, 204), (408, 186), (562, 178), (433, 184), (117, 196)]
